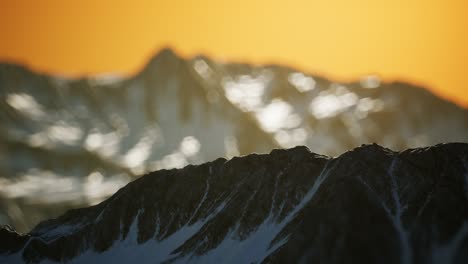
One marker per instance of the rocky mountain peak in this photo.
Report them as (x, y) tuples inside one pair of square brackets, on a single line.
[(164, 58)]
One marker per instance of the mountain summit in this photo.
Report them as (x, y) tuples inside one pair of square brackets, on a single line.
[(369, 205)]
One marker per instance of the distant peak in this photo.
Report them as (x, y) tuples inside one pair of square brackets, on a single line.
[(165, 53)]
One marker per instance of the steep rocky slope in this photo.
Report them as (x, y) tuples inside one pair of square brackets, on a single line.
[(369, 205)]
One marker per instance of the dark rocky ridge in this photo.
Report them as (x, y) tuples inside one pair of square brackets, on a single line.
[(369, 205)]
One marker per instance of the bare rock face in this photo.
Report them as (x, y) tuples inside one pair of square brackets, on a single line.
[(369, 205)]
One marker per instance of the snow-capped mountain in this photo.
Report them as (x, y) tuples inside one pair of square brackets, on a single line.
[(67, 143), (369, 205)]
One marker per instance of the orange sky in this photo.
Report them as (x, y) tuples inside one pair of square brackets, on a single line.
[(421, 41)]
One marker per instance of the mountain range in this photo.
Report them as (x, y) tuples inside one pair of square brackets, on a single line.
[(68, 143), (369, 205)]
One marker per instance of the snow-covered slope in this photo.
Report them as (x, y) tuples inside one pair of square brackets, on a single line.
[(369, 205), (69, 143)]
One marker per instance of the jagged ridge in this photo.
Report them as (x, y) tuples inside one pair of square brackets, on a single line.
[(369, 205)]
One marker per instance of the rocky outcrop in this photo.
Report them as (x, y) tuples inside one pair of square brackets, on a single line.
[(369, 205)]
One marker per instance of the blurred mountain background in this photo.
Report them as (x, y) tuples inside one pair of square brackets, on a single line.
[(67, 143)]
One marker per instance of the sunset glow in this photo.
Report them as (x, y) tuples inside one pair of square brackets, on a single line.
[(420, 41)]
